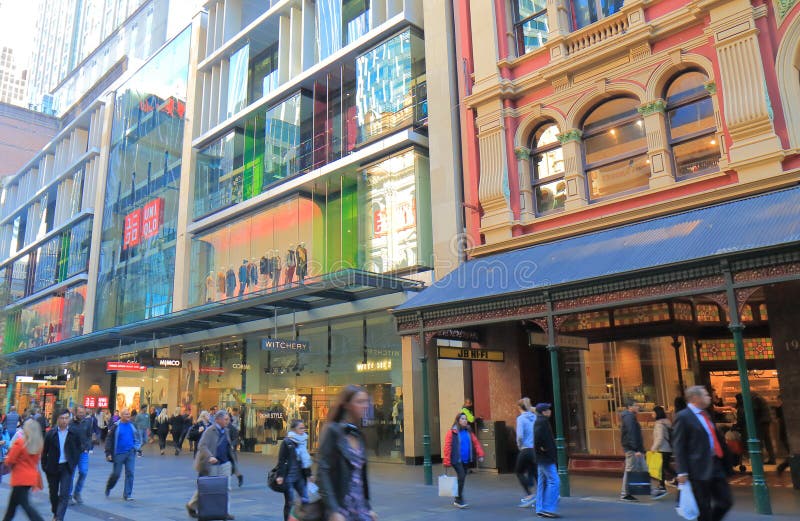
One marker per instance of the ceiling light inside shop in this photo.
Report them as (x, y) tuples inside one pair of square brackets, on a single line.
[(713, 141), (613, 132)]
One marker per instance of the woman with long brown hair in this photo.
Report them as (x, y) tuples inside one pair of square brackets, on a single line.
[(23, 458), (342, 473)]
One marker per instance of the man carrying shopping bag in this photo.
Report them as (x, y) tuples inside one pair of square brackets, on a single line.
[(700, 456), (633, 445)]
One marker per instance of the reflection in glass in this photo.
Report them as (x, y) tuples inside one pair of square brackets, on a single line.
[(49, 320), (621, 176), (137, 257), (692, 125), (237, 80), (690, 119), (531, 25), (550, 190), (696, 155), (263, 75)]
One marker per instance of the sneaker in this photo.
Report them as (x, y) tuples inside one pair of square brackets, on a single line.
[(629, 498), (548, 515), (459, 503), (127, 498), (527, 501), (77, 499), (659, 493)]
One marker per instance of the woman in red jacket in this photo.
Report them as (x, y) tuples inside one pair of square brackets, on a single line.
[(23, 458), (460, 448)]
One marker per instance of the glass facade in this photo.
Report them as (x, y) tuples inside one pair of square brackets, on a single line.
[(362, 350), (237, 80), (377, 220), (339, 23), (381, 92), (585, 12), (137, 257), (51, 319)]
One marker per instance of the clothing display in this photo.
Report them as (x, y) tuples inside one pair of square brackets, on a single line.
[(264, 271), (211, 287), (244, 279), (252, 272), (302, 261), (291, 264), (274, 422), (230, 282), (221, 282), (276, 268)]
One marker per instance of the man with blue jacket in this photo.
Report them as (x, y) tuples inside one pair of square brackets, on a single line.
[(122, 445)]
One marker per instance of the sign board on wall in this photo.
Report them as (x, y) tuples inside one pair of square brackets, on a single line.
[(102, 402), (276, 344), (143, 223), (125, 366), (90, 402), (563, 341), (132, 230), (477, 355)]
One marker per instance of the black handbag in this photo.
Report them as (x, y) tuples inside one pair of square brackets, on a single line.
[(272, 481)]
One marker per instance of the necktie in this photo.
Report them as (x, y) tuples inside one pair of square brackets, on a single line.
[(714, 442)]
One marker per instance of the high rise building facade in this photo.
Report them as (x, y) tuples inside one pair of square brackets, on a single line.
[(623, 162), (13, 80), (233, 220)]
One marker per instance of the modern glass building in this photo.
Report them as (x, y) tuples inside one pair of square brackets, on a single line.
[(264, 196)]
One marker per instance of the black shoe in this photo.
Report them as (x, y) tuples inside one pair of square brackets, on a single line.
[(241, 480), (548, 515), (782, 467), (629, 498), (459, 503), (659, 493), (108, 491), (177, 452)]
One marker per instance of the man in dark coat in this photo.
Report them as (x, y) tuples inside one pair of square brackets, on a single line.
[(60, 456), (699, 452), (632, 444), (544, 443)]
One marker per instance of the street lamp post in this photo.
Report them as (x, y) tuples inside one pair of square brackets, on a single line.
[(427, 467), (561, 449)]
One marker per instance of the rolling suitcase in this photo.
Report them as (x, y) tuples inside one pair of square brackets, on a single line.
[(212, 498)]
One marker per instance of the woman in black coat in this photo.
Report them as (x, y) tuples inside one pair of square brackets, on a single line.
[(176, 422), (342, 472)]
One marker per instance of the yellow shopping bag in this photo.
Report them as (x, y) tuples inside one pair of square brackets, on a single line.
[(654, 460)]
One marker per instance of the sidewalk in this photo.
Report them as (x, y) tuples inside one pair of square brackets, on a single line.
[(163, 484)]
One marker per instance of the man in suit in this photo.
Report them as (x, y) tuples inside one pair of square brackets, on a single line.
[(60, 455), (215, 456), (699, 452)]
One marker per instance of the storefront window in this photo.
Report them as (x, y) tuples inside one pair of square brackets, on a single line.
[(378, 221), (365, 351), (49, 320), (610, 373), (137, 257), (389, 81)]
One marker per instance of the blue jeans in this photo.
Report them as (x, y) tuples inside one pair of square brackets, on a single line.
[(299, 485), (128, 459), (83, 470), (548, 489)]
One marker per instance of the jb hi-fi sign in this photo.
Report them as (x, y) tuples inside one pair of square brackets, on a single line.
[(143, 223)]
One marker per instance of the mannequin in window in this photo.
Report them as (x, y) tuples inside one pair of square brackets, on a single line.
[(211, 287), (230, 282), (264, 270), (252, 271), (244, 280), (291, 264), (221, 282), (302, 261), (276, 268)]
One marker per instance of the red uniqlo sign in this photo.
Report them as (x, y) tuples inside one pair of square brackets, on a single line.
[(102, 401), (125, 366), (90, 402), (132, 233), (152, 216)]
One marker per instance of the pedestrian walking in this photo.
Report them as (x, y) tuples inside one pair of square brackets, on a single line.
[(12, 421), (526, 460), (37, 415), (236, 427), (197, 429), (294, 466), (215, 457), (699, 452), (122, 445), (104, 417), (153, 415), (176, 428), (60, 456), (82, 426), (23, 458), (461, 447), (342, 472), (162, 429), (632, 444), (548, 491), (662, 437), (141, 420)]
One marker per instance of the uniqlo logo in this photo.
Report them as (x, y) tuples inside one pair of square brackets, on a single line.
[(102, 401), (90, 402), (132, 233), (152, 215), (377, 223)]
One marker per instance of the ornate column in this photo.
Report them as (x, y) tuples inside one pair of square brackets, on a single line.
[(493, 188), (756, 151), (526, 208), (658, 153), (574, 177)]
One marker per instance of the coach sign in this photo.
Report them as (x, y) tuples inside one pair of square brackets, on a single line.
[(276, 344)]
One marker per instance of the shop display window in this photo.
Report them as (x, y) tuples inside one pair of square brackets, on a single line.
[(49, 320), (137, 257), (365, 351), (603, 377), (377, 221)]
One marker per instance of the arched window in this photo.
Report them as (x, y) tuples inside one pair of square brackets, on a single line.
[(547, 161), (530, 24), (692, 128), (615, 149)]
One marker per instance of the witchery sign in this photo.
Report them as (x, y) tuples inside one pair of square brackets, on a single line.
[(276, 344)]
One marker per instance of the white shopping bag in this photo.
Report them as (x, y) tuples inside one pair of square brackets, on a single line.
[(448, 486), (687, 505)]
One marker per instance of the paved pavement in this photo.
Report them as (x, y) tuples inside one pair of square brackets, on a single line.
[(163, 484)]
